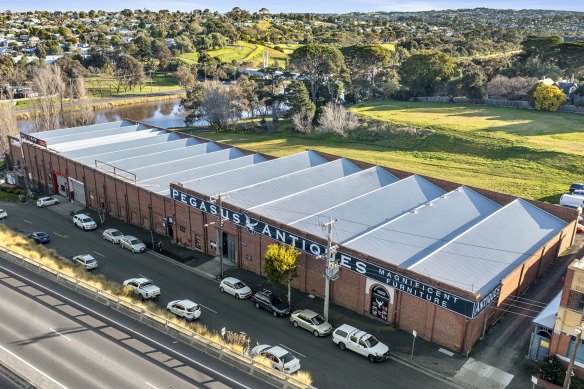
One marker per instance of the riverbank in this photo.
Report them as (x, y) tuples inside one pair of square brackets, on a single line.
[(109, 103)]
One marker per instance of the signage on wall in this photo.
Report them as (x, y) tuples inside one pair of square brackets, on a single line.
[(32, 139), (405, 284), (379, 302)]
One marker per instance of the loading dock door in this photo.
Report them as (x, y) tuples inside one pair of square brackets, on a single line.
[(77, 190)]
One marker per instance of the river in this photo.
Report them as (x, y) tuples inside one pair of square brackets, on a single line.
[(164, 114)]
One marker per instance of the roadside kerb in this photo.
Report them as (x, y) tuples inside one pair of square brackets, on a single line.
[(207, 345)]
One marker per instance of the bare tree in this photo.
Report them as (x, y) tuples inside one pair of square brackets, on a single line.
[(213, 103), (510, 88), (80, 112), (335, 118), (302, 120), (8, 126), (47, 106)]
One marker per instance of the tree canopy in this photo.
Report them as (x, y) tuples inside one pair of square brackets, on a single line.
[(423, 72)]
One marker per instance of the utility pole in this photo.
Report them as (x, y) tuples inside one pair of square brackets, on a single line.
[(218, 199), (578, 331), (331, 265)]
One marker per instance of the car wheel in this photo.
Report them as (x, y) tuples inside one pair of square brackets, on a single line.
[(257, 305), (315, 333), (142, 297), (275, 313), (371, 358), (221, 289), (237, 296), (342, 346), (295, 324)]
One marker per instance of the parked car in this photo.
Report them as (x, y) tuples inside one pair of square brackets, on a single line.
[(267, 300), (235, 287), (132, 243), (280, 358), (348, 337), (40, 237), (112, 235), (84, 222), (143, 287), (85, 260), (186, 309), (46, 201), (3, 214), (572, 201), (579, 192), (311, 321), (576, 186)]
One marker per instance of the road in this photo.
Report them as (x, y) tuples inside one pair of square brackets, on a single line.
[(329, 366)]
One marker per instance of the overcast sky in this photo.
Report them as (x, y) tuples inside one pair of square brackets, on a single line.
[(328, 6)]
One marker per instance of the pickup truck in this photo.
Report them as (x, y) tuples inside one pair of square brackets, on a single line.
[(143, 287), (348, 337)]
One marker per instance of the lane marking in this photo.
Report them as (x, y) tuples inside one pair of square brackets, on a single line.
[(62, 236), (208, 308), (57, 332), (26, 221), (101, 255), (149, 384), (294, 351), (135, 332), (31, 366)]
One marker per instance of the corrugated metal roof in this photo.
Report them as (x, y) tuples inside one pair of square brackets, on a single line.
[(112, 139), (366, 212), (291, 183), (79, 136), (250, 175), (481, 256), (46, 135), (312, 201)]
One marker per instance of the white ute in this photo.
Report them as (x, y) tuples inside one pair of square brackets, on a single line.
[(348, 337), (143, 287)]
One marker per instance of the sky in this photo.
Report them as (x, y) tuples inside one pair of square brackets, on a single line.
[(322, 6)]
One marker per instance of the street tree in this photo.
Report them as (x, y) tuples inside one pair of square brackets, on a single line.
[(281, 264), (423, 72)]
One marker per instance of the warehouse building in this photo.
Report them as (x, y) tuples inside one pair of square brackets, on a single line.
[(416, 252)]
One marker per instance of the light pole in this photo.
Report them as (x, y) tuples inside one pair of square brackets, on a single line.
[(578, 332), (218, 199), (330, 265)]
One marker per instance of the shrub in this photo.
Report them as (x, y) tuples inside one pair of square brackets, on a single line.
[(546, 97), (335, 118), (552, 371)]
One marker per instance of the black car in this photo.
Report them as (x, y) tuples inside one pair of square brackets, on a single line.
[(576, 186), (267, 300)]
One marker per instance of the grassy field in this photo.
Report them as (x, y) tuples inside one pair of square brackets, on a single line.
[(189, 58), (525, 153), (249, 53), (106, 86)]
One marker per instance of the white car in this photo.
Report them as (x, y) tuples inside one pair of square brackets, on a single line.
[(311, 321), (280, 358), (3, 214), (186, 309), (132, 243), (235, 287), (46, 201), (84, 222), (112, 235), (143, 287), (348, 337), (85, 260)]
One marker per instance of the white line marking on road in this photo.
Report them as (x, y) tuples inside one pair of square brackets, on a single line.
[(294, 351), (26, 221), (28, 364), (62, 236), (208, 308), (57, 332), (149, 384), (101, 255), (136, 333)]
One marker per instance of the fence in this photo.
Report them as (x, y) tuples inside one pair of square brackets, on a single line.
[(151, 319), (521, 104)]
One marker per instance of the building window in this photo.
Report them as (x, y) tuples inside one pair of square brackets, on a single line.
[(575, 301), (579, 353)]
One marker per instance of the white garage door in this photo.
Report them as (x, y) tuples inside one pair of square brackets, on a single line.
[(78, 190)]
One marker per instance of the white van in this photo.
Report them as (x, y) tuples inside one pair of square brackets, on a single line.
[(572, 201)]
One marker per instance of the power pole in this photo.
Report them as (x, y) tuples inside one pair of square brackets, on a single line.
[(218, 199), (578, 331), (330, 265)]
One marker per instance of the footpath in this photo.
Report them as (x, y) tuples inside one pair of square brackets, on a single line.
[(497, 362)]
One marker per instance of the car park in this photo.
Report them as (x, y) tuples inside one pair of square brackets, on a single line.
[(311, 321), (84, 222), (132, 243), (85, 260), (266, 299), (235, 287), (348, 337), (3, 214), (40, 237), (143, 287), (576, 186), (46, 201), (112, 235), (280, 358), (185, 309)]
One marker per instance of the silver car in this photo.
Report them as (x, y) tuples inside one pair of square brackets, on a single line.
[(132, 243), (46, 201), (85, 260), (311, 321), (112, 235)]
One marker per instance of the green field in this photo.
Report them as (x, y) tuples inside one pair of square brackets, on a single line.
[(105, 86), (189, 58), (248, 53), (524, 153)]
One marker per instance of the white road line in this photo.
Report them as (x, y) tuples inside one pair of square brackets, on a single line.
[(149, 384), (26, 221), (208, 308), (294, 351), (36, 369), (136, 333), (101, 255), (62, 236), (57, 332)]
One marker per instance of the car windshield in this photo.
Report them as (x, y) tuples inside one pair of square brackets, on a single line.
[(116, 233), (135, 242), (317, 320), (192, 309), (371, 341), (41, 234), (276, 300), (239, 285), (145, 284), (87, 220), (90, 260), (287, 358)]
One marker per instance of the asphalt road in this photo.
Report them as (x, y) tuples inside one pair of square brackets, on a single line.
[(330, 367)]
